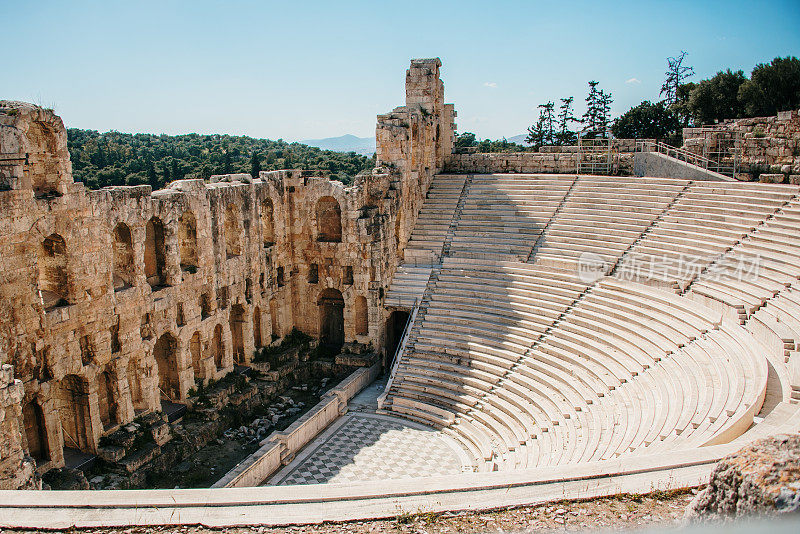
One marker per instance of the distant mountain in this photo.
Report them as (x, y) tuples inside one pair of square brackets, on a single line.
[(345, 143), (519, 139)]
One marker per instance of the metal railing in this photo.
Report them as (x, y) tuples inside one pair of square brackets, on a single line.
[(686, 156), (398, 355)]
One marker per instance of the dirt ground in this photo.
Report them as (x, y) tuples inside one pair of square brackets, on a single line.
[(624, 512)]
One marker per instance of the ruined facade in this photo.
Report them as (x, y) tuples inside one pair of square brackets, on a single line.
[(115, 299)]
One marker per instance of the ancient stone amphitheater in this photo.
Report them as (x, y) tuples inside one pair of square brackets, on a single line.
[(572, 335)]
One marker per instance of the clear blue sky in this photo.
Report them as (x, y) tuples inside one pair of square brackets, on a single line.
[(297, 70)]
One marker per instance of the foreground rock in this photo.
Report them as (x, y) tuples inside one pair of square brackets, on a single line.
[(763, 478)]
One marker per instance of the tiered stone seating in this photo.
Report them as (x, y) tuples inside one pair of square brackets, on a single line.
[(527, 364), (762, 264), (502, 216), (706, 221), (433, 221), (408, 285), (603, 216)]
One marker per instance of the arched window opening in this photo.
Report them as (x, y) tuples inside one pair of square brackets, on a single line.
[(236, 320), (107, 403), (155, 253), (165, 352), (274, 319), (233, 238), (195, 345), (361, 316), (331, 319), (73, 409), (187, 242), (135, 388), (53, 272), (124, 272), (257, 328), (36, 432), (218, 347), (268, 223), (329, 220)]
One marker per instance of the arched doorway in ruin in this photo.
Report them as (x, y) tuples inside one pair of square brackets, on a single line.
[(187, 241), (155, 253), (53, 272), (331, 319), (165, 353), (236, 319), (329, 220), (106, 400), (195, 346), (218, 347), (135, 387), (395, 325), (257, 343), (35, 432), (73, 411), (124, 272)]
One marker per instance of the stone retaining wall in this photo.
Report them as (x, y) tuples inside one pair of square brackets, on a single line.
[(280, 447)]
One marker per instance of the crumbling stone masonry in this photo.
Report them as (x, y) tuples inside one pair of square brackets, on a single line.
[(112, 300)]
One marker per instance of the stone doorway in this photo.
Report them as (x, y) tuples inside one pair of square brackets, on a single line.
[(35, 432), (331, 319), (165, 353), (395, 325), (236, 322)]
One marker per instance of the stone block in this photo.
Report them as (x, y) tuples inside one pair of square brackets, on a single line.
[(771, 178)]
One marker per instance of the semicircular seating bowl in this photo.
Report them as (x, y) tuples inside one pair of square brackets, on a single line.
[(527, 364)]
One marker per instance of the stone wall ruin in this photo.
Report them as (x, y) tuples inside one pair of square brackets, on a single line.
[(117, 298)]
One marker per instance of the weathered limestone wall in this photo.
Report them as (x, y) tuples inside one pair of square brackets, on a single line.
[(550, 162), (772, 141), (114, 299)]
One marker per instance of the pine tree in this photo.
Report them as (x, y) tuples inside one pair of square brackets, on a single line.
[(227, 165), (565, 136), (676, 73), (176, 172), (536, 134), (255, 165), (548, 123), (166, 174), (604, 117)]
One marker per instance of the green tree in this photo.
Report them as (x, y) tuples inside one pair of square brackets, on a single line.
[(466, 139), (772, 87), (548, 123), (598, 108), (676, 73), (152, 176), (255, 165), (646, 121), (565, 135), (716, 98)]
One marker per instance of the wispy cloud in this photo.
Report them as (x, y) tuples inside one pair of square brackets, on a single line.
[(493, 85), (633, 81)]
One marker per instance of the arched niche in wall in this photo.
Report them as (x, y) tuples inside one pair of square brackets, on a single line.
[(233, 237), (187, 241), (268, 223), (165, 353), (53, 278), (155, 253), (124, 270), (329, 220)]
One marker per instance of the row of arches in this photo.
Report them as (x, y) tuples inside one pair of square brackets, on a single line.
[(53, 280)]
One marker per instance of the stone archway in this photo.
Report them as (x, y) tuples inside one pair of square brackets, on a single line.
[(53, 286), (165, 353), (331, 319), (187, 241), (124, 272), (73, 410), (257, 342), (106, 400), (329, 220), (36, 432), (155, 253), (395, 325), (237, 333), (218, 347)]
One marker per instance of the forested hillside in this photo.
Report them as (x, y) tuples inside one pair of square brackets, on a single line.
[(113, 158)]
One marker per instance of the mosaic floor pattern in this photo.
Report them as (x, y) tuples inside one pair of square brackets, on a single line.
[(373, 447)]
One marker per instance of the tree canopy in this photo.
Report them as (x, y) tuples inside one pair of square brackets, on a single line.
[(646, 121), (113, 158)]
